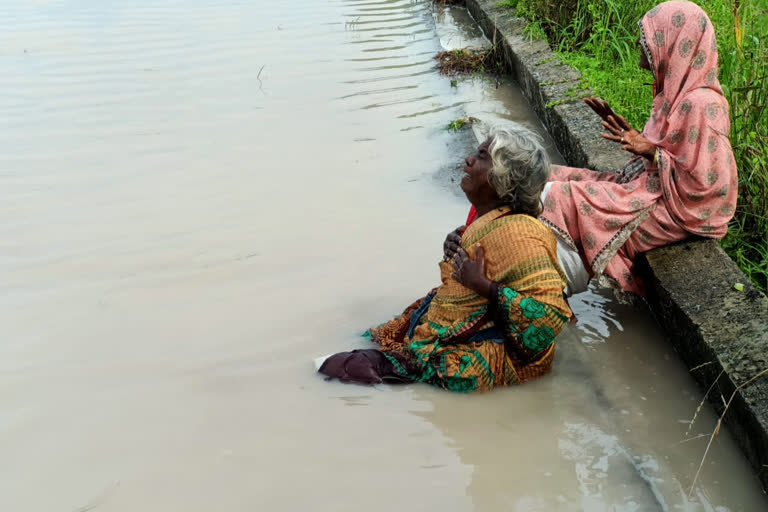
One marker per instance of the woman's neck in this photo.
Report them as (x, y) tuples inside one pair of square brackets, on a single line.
[(484, 208)]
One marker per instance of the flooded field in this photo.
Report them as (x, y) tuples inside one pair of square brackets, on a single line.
[(198, 197)]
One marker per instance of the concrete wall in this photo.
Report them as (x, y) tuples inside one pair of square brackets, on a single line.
[(721, 333)]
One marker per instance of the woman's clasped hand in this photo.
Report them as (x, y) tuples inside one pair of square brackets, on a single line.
[(452, 243)]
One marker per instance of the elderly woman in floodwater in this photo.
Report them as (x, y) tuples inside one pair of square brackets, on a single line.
[(683, 180), (493, 320)]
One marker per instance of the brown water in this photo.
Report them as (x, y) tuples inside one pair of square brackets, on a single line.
[(198, 197)]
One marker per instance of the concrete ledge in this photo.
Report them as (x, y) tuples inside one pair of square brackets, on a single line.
[(721, 333)]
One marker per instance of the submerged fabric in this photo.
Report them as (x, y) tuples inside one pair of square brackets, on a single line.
[(692, 191), (440, 345)]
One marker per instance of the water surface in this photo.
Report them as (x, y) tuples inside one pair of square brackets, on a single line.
[(200, 196)]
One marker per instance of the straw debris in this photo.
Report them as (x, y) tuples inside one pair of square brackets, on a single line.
[(466, 61)]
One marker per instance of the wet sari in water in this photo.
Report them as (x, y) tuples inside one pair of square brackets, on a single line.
[(458, 340)]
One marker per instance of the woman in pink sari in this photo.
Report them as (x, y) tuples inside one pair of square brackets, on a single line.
[(683, 179)]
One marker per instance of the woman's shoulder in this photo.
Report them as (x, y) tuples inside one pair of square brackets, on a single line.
[(532, 223), (508, 228), (703, 103), (702, 111), (522, 226)]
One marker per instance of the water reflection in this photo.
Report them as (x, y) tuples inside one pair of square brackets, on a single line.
[(596, 318)]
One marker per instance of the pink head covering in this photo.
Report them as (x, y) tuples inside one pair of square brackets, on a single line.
[(680, 45), (689, 118)]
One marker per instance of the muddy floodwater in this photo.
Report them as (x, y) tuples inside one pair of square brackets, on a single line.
[(200, 196)]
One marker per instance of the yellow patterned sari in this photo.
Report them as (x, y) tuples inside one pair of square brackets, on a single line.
[(458, 340)]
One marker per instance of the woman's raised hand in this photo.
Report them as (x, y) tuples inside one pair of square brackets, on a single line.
[(452, 243), (472, 273), (630, 139), (600, 107)]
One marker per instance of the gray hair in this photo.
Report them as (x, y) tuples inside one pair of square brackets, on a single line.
[(520, 167)]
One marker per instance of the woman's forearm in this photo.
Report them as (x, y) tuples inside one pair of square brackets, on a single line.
[(487, 289)]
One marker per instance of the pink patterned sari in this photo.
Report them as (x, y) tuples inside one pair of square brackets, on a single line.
[(611, 218)]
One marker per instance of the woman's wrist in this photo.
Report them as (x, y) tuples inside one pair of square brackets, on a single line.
[(487, 288), (649, 151)]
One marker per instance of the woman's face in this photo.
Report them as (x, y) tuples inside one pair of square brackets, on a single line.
[(644, 64), (475, 181)]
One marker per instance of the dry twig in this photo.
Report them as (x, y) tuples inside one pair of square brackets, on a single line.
[(701, 404), (258, 77), (693, 438), (702, 365), (720, 423)]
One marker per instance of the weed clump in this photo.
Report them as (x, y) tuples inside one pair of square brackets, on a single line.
[(461, 123), (466, 61), (460, 62)]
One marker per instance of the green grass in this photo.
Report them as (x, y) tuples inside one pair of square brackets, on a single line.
[(597, 37), (509, 4)]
